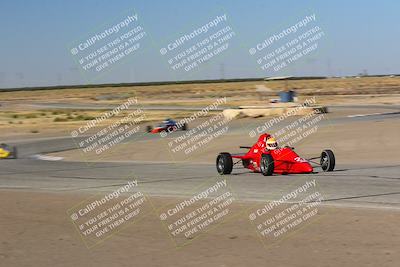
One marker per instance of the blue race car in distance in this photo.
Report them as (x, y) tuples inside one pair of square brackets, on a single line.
[(168, 125)]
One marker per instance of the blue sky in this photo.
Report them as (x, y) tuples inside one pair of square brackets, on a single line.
[(36, 37)]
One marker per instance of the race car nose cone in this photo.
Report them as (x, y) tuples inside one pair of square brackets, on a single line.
[(302, 167), (305, 167)]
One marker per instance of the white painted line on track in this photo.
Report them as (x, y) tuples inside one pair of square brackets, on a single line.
[(372, 114), (48, 158)]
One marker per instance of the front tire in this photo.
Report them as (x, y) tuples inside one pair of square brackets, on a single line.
[(224, 163), (267, 165), (170, 129), (327, 160), (184, 127), (246, 163), (149, 128)]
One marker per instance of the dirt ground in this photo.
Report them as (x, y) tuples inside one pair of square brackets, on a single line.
[(43, 235), (196, 92), (18, 117)]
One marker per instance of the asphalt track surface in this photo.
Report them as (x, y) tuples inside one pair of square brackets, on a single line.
[(355, 185)]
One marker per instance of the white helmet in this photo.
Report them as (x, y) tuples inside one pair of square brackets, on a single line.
[(271, 143)]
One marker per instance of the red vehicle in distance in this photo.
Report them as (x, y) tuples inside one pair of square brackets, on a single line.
[(266, 157)]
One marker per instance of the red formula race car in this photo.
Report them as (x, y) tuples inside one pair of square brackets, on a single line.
[(266, 157)]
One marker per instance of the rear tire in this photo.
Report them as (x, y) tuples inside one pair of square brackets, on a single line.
[(149, 128), (327, 160), (224, 163), (267, 165), (14, 153)]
